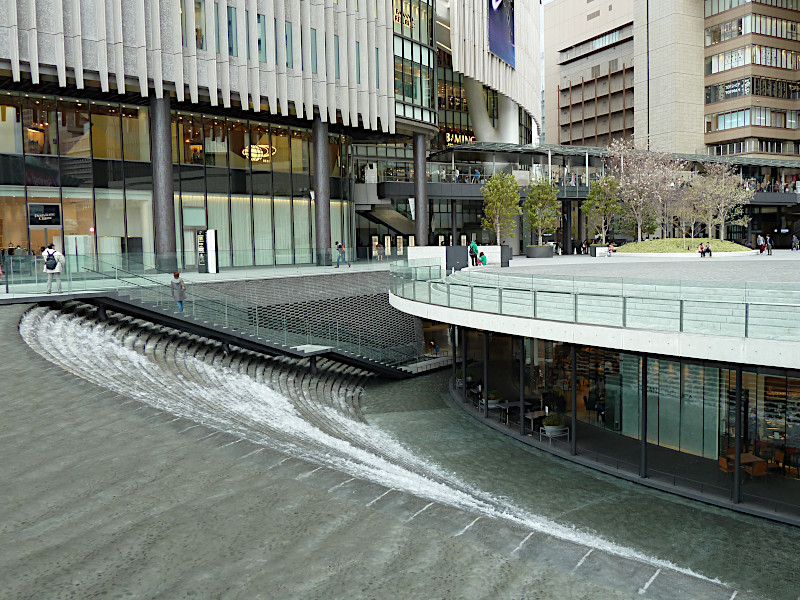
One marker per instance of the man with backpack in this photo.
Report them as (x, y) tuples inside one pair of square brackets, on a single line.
[(341, 257), (53, 265)]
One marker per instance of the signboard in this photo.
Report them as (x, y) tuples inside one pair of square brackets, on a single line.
[(501, 30), (458, 138), (207, 251), (44, 216)]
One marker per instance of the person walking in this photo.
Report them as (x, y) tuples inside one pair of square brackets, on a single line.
[(473, 253), (760, 243), (53, 265), (769, 245), (342, 257), (178, 289), (795, 243)]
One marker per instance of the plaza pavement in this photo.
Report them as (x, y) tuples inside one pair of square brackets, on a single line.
[(782, 266)]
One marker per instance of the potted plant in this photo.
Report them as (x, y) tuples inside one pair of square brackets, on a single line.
[(553, 423), (500, 210), (541, 211)]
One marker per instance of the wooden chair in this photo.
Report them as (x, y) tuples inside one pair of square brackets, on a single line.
[(757, 469), (724, 465), (777, 463)]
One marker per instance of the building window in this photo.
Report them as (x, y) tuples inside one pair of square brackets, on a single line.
[(200, 23), (233, 43), (289, 57), (216, 22), (262, 38), (358, 63), (336, 54), (314, 51)]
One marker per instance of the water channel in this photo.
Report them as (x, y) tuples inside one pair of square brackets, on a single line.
[(745, 552)]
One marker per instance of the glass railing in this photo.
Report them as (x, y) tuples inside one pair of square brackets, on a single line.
[(25, 274), (277, 324), (737, 309)]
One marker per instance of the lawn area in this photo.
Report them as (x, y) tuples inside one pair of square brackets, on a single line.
[(680, 245)]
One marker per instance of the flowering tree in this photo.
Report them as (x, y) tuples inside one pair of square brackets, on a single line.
[(540, 208), (644, 182), (500, 204), (602, 204)]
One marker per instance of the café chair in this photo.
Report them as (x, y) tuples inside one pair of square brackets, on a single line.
[(757, 469), (724, 465)]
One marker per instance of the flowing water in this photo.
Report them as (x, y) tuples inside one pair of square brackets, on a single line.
[(415, 441), (743, 551)]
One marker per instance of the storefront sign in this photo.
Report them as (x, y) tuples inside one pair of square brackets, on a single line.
[(44, 215), (259, 153), (403, 18), (458, 138)]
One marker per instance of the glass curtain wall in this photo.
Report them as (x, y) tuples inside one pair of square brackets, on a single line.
[(64, 178)]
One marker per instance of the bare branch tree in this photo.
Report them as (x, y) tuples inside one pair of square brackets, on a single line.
[(723, 197), (644, 183)]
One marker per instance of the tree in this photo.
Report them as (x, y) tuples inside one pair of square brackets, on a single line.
[(540, 208), (688, 209), (722, 196), (644, 182), (602, 204), (500, 204)]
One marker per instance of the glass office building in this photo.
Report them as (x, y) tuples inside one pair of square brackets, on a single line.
[(78, 173)]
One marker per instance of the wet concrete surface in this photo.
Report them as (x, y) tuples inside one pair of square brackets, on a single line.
[(104, 496)]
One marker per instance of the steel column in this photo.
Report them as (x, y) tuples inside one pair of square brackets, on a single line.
[(643, 419), (573, 440), (485, 387), (522, 386), (737, 456)]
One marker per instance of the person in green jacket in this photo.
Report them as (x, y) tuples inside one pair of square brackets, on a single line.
[(473, 253), (482, 258)]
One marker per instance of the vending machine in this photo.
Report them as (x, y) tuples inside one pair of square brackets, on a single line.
[(207, 251)]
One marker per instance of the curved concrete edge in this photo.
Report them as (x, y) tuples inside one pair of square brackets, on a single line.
[(685, 254), (744, 351), (579, 459)]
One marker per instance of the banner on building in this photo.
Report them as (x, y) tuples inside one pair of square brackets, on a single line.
[(501, 30)]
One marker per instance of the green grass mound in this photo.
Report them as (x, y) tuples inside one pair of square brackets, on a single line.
[(680, 245)]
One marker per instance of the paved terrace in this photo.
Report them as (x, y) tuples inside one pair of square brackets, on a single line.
[(782, 266)]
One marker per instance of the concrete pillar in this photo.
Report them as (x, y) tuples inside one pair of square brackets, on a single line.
[(522, 386), (581, 225), (163, 187), (420, 190), (322, 192)]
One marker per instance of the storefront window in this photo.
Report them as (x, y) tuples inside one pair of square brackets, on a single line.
[(239, 142), (45, 200), (13, 217), (39, 120), (106, 131), (190, 132), (73, 129), (215, 142), (10, 125), (136, 133), (110, 211)]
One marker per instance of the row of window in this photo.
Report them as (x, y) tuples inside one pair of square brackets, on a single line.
[(261, 26), (713, 7), (757, 86), (757, 115), (414, 19), (753, 145), (605, 40), (760, 24), (747, 55)]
